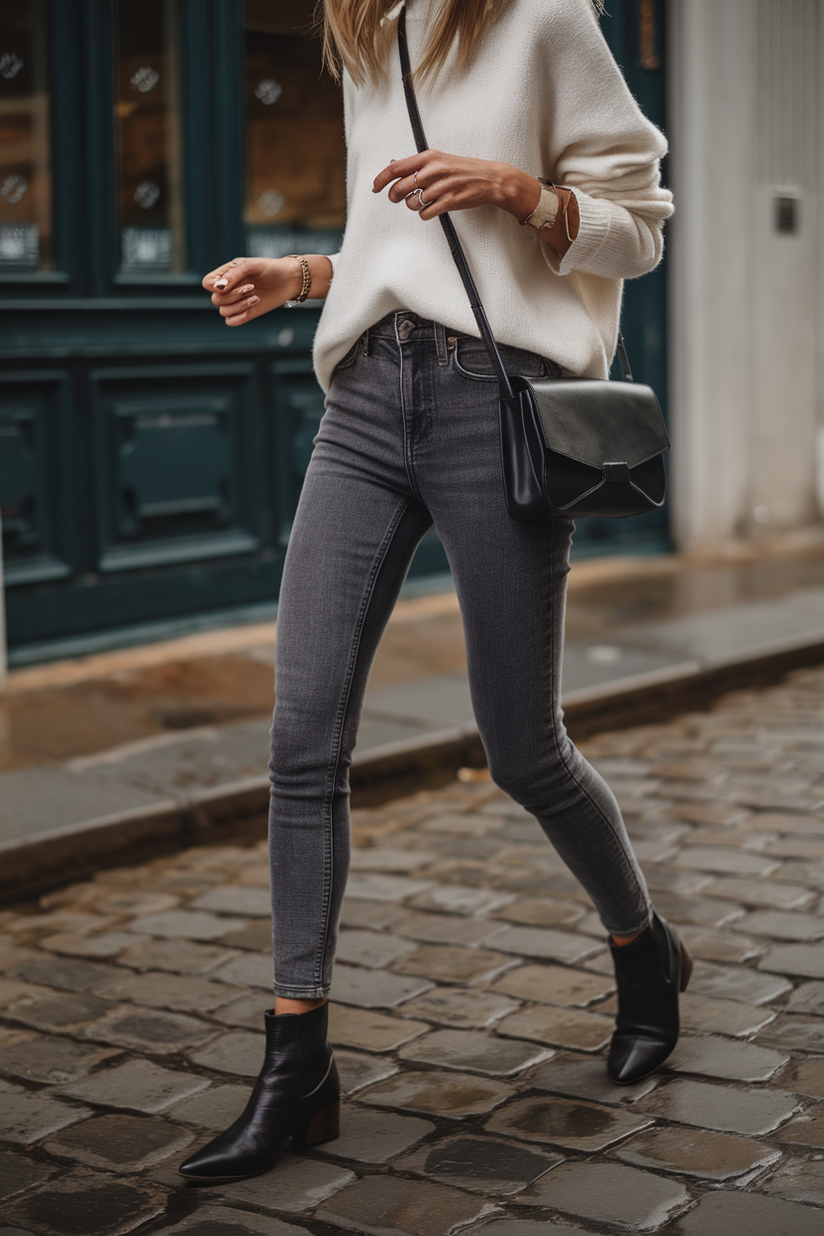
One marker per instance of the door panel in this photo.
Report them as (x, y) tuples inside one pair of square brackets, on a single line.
[(297, 407), (176, 477), (33, 458)]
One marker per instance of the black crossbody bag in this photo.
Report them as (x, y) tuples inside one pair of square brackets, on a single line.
[(569, 446)]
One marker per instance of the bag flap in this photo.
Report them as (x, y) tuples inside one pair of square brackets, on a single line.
[(598, 422)]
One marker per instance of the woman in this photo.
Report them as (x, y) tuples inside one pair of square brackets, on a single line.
[(518, 92)]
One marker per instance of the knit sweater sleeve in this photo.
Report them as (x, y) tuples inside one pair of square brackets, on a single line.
[(601, 145)]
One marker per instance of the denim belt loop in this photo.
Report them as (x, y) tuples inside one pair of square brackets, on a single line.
[(365, 342), (440, 344)]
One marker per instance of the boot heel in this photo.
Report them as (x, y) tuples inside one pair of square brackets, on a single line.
[(323, 1127), (686, 968)]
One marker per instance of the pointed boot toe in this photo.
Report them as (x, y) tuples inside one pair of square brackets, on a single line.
[(221, 1161), (297, 1095), (632, 1057), (650, 974)]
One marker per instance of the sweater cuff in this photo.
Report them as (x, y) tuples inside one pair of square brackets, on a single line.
[(333, 258), (593, 230)]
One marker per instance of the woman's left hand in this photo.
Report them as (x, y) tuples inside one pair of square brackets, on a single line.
[(452, 182)]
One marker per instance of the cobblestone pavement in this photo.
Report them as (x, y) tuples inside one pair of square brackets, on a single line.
[(473, 1003)]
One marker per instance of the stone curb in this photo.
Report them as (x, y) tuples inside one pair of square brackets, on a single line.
[(659, 695), (238, 809)]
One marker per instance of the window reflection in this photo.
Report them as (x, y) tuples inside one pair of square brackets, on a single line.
[(25, 167), (295, 170), (147, 113), (648, 36)]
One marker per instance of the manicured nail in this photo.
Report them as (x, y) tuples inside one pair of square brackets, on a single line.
[(249, 287), (253, 300), (220, 284)]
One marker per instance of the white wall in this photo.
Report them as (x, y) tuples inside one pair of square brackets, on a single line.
[(747, 303)]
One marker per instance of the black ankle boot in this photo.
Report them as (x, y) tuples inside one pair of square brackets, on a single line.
[(297, 1094), (650, 973)]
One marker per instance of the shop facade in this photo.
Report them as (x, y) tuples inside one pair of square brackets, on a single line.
[(150, 458)]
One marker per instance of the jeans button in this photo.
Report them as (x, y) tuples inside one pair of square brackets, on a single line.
[(405, 329)]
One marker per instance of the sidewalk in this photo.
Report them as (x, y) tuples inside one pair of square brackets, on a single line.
[(472, 1003), (161, 745)]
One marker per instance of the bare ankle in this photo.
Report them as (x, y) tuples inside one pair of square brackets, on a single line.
[(284, 1005), (623, 940)]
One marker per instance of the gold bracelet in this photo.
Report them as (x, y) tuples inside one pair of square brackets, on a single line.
[(306, 283), (563, 206)]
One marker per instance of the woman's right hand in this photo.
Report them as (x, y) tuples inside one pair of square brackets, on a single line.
[(245, 288)]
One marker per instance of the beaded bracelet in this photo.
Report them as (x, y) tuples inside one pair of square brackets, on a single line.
[(306, 281)]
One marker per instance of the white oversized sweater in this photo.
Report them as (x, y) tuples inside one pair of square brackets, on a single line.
[(544, 94)]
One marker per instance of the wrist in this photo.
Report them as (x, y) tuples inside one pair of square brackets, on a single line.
[(519, 192), (322, 274)]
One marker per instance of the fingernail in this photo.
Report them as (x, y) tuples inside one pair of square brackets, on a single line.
[(221, 283), (253, 300), (249, 287)]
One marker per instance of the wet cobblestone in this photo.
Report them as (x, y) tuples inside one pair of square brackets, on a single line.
[(472, 1007)]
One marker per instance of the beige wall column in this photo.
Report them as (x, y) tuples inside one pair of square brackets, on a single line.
[(747, 373)]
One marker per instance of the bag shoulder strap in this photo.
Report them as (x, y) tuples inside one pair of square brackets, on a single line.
[(446, 223), (455, 247)]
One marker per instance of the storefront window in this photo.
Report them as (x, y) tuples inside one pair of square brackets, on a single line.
[(295, 156), (25, 157), (649, 36), (147, 114)]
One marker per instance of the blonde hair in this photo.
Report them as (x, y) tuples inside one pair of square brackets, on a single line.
[(356, 35)]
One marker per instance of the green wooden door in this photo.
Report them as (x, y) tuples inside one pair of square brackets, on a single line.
[(635, 32)]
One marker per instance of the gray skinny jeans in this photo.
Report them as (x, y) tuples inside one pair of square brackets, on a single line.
[(410, 438)]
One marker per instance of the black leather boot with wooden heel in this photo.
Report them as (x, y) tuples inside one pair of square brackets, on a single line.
[(650, 972), (297, 1095)]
